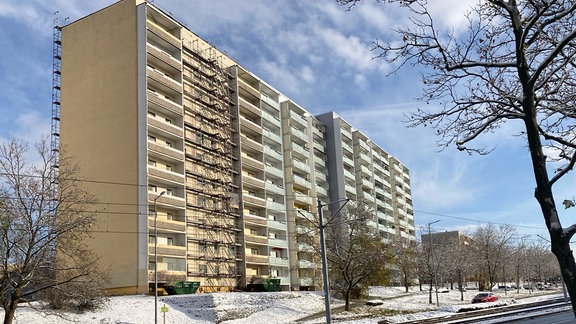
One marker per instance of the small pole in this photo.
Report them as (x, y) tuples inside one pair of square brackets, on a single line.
[(324, 265)]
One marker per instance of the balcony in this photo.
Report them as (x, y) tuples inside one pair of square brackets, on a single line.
[(305, 264), (275, 205), (270, 187), (251, 219), (270, 101), (165, 127), (274, 171), (164, 80), (245, 122), (303, 247), (245, 104), (277, 225), (164, 57), (251, 181), (300, 165), (256, 239), (306, 282), (242, 85), (252, 163), (250, 143), (163, 34), (164, 103), (278, 243), (277, 154), (166, 175), (279, 262), (347, 160), (302, 198), (299, 149), (298, 134), (168, 250), (253, 200), (166, 151), (301, 120), (257, 259), (301, 181), (272, 136), (274, 120), (321, 191), (166, 200), (167, 225)]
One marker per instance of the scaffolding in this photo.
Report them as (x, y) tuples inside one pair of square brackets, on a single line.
[(56, 81), (213, 213)]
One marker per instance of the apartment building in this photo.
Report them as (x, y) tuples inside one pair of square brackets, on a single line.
[(203, 171), (362, 171)]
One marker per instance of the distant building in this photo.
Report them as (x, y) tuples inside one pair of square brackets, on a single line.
[(200, 163), (448, 237)]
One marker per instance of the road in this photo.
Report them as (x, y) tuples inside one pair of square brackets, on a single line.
[(563, 317)]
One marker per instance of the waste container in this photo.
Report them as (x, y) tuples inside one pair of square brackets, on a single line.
[(272, 285), (182, 287)]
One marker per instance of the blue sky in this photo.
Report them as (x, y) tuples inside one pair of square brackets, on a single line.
[(318, 54)]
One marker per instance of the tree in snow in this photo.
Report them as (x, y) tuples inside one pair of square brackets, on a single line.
[(514, 63), (356, 254), (41, 223)]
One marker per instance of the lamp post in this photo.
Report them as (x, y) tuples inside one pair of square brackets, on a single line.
[(156, 259), (432, 261), (321, 226)]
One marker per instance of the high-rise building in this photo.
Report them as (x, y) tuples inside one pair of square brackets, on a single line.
[(203, 171)]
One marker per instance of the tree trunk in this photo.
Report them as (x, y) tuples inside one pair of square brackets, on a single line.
[(347, 299), (560, 241), (11, 311), (406, 283), (430, 291)]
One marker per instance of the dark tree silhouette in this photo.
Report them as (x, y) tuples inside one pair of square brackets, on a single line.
[(514, 63)]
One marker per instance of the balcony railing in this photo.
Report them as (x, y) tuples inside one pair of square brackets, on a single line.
[(167, 225), (171, 250), (166, 175), (166, 127)]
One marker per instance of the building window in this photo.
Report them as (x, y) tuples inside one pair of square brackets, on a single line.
[(253, 232), (254, 251), (151, 239), (168, 192), (151, 138), (170, 266), (203, 269), (168, 167), (274, 273), (169, 216), (169, 144), (151, 114), (169, 241), (217, 270), (152, 188), (152, 163), (168, 120), (202, 247)]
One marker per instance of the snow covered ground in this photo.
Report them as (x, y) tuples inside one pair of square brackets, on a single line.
[(282, 307)]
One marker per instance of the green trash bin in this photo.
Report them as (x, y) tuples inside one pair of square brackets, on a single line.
[(272, 285), (182, 287)]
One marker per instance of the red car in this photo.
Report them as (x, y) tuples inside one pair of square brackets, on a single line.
[(484, 297)]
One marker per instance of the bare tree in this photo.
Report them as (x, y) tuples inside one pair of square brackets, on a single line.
[(42, 222), (515, 62), (460, 261), (492, 245), (356, 254), (406, 261)]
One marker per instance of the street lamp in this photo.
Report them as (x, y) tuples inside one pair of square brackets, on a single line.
[(156, 259), (432, 261), (321, 226)]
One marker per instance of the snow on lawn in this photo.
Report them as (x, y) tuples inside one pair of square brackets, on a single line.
[(281, 307)]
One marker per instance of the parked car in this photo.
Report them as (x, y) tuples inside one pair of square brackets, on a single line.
[(484, 297)]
